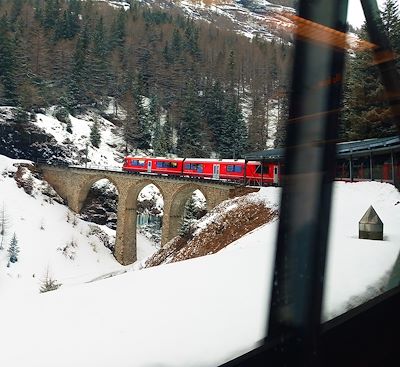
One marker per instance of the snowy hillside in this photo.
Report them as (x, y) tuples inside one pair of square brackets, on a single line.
[(198, 312), (250, 18), (52, 240)]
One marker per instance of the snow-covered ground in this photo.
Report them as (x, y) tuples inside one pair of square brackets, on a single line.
[(51, 241), (199, 312)]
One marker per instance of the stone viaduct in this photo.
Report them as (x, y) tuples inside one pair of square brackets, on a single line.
[(74, 183)]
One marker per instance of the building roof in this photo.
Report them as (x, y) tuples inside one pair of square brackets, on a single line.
[(344, 149), (370, 217)]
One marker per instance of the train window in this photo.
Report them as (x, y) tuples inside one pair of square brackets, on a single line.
[(233, 168), (139, 163), (265, 169), (194, 167), (166, 164)]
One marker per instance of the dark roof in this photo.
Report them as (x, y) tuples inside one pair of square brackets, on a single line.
[(370, 217), (367, 145), (343, 149)]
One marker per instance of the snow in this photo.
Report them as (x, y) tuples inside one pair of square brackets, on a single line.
[(105, 156), (41, 249), (198, 312)]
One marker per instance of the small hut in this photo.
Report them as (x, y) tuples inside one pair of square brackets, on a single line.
[(370, 226)]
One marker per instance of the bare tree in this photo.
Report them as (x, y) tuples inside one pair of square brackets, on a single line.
[(4, 226)]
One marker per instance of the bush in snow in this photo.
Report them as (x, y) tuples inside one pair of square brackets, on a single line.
[(49, 284), (13, 250), (69, 249), (61, 114), (20, 116)]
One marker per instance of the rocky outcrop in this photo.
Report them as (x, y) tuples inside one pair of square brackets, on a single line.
[(21, 139)]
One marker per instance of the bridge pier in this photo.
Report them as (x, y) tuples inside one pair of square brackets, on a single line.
[(125, 241)]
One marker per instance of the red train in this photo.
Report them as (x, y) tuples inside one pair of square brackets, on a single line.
[(238, 170)]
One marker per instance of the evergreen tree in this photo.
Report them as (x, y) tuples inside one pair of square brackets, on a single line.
[(280, 136), (99, 80), (8, 65), (131, 131), (13, 250), (49, 284), (143, 136), (167, 135), (155, 125), (233, 139), (214, 110), (233, 136), (189, 217), (77, 86), (51, 13), (366, 113), (190, 136), (95, 135), (118, 33), (257, 122), (391, 21)]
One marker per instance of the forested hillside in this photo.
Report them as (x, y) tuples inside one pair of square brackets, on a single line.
[(184, 87), (366, 111), (213, 89)]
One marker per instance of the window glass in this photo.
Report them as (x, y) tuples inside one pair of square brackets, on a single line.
[(139, 163)]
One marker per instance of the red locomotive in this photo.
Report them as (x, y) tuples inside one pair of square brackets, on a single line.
[(238, 170)]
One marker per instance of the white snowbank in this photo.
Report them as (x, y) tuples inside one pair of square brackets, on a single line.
[(43, 233), (199, 312)]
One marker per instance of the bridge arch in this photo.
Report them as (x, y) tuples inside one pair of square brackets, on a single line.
[(174, 210), (84, 189)]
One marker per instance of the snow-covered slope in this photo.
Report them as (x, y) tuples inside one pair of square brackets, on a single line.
[(51, 239), (106, 155), (249, 18), (198, 312)]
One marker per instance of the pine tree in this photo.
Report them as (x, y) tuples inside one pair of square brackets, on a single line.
[(189, 217), (190, 136), (13, 250), (391, 21), (143, 132), (214, 111), (257, 122), (95, 135), (77, 93), (99, 76), (283, 106), (155, 125), (118, 33), (366, 113), (167, 134), (8, 65), (233, 139)]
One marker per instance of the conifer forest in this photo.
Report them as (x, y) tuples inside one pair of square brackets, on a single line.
[(187, 87)]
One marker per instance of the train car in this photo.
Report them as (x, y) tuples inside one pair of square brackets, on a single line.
[(262, 174), (237, 170), (214, 168), (159, 165)]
